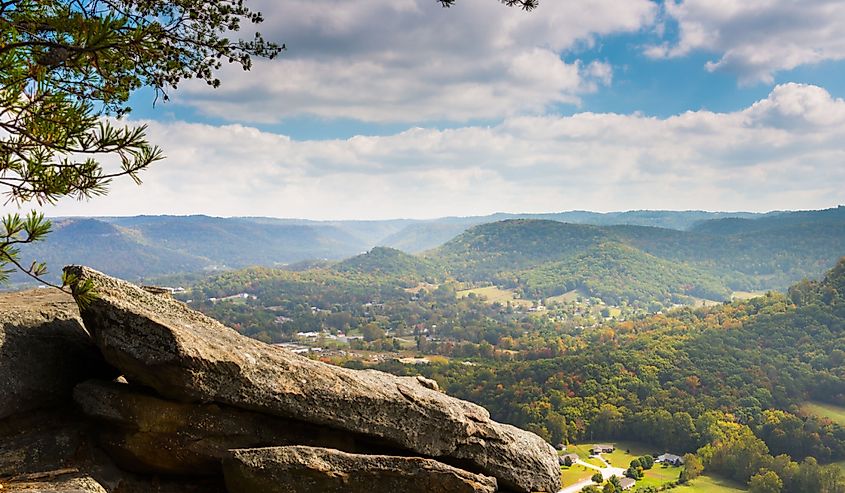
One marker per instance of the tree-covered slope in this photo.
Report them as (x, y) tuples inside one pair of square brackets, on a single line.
[(773, 254), (664, 379), (508, 246), (618, 273), (542, 258), (389, 263), (419, 237), (109, 248), (615, 263), (538, 252), (141, 247), (239, 242)]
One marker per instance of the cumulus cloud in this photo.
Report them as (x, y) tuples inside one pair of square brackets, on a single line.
[(784, 151), (756, 38), (413, 61)]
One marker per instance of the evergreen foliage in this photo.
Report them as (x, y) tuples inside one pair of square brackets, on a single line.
[(66, 67)]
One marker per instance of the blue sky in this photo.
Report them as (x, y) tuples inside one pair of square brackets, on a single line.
[(405, 109)]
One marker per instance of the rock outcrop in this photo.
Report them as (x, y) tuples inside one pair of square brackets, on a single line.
[(188, 357), (44, 350), (308, 469), (197, 400)]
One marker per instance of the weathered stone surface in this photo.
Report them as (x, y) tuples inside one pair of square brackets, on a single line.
[(41, 441), (55, 451), (104, 478), (308, 469), (44, 350), (68, 481), (147, 434), (187, 356)]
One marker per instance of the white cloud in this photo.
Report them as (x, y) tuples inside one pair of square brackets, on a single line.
[(413, 61), (784, 151), (757, 38)]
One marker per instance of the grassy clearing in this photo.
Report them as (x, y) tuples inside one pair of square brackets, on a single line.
[(710, 484), (406, 344), (824, 410), (703, 302), (574, 474), (660, 475), (565, 297), (626, 452), (495, 294), (423, 286), (657, 476), (746, 295)]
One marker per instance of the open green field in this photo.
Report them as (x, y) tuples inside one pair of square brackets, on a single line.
[(574, 474), (495, 294), (746, 295), (660, 475), (710, 484), (626, 452), (825, 410)]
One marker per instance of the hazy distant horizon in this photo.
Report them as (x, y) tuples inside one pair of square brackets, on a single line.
[(453, 216)]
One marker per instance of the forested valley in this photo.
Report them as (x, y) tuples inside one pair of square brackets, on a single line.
[(612, 352)]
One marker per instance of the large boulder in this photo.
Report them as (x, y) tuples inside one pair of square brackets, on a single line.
[(146, 434), (44, 350), (187, 356), (308, 469)]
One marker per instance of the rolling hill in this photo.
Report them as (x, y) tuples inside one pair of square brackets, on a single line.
[(624, 263), (389, 263)]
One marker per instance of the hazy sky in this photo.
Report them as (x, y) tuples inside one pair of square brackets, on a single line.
[(401, 108)]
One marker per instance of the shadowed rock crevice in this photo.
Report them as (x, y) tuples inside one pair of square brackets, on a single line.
[(44, 351)]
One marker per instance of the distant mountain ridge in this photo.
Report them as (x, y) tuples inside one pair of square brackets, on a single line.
[(143, 247)]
